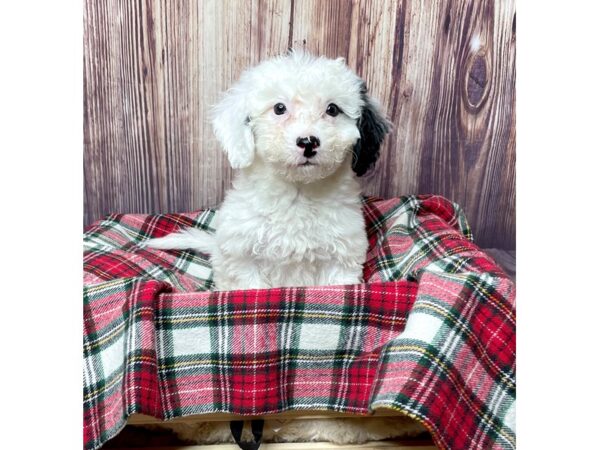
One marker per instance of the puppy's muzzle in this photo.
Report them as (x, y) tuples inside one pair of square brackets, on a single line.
[(308, 144)]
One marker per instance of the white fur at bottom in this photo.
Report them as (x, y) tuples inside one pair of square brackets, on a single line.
[(337, 431)]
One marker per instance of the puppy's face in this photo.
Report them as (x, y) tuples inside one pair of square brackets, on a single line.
[(304, 132), (300, 116)]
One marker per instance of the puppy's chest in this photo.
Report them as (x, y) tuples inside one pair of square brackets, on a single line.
[(301, 233)]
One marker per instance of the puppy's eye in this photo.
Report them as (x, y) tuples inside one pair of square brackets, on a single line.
[(332, 109), (279, 109)]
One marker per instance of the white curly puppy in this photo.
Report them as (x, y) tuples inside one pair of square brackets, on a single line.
[(299, 129)]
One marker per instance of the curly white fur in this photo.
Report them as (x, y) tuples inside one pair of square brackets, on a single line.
[(290, 219)]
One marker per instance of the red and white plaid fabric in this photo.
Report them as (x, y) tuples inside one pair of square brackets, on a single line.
[(430, 333)]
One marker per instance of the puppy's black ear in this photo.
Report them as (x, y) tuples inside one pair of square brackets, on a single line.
[(373, 127)]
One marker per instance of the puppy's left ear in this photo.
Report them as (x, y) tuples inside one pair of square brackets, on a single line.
[(373, 127), (231, 125)]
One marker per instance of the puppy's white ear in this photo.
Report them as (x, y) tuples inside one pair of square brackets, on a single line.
[(232, 128)]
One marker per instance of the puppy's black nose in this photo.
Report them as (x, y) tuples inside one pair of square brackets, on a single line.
[(308, 144)]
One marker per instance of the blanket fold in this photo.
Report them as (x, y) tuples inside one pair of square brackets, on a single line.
[(430, 333), (120, 371)]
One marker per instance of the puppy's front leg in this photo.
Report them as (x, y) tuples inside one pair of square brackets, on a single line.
[(337, 273), (236, 275)]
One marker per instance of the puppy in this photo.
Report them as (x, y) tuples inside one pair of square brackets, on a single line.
[(299, 130)]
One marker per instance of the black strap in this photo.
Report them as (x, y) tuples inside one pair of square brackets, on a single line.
[(237, 426)]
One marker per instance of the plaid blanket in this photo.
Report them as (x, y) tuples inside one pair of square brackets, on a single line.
[(431, 332)]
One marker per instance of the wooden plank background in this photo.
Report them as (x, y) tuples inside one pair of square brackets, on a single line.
[(444, 70)]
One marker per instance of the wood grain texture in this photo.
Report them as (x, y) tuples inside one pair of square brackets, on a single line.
[(143, 419), (443, 70)]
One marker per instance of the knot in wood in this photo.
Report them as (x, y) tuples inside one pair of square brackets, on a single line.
[(477, 81)]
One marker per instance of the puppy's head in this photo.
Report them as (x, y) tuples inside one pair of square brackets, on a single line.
[(300, 116)]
